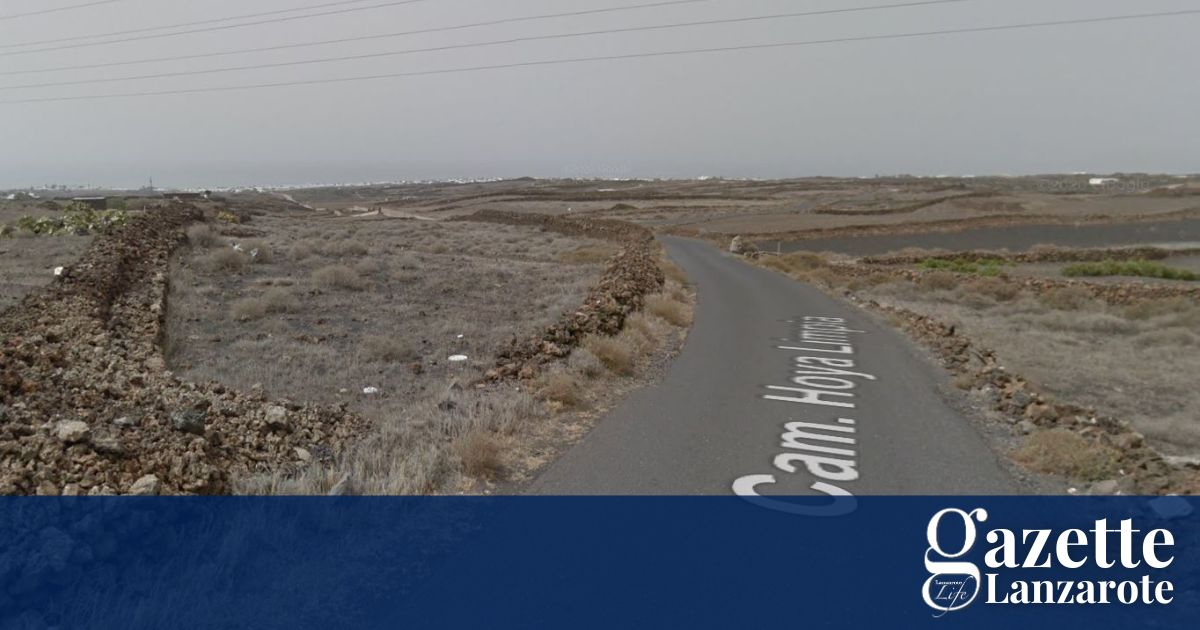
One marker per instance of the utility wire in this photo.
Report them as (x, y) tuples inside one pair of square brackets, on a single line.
[(440, 29), (667, 53), (13, 16), (199, 30), (514, 40)]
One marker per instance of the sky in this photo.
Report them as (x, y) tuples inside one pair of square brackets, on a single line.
[(1109, 97)]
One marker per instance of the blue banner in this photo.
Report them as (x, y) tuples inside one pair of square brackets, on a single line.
[(597, 562)]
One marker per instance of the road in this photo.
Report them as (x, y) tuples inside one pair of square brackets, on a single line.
[(707, 425)]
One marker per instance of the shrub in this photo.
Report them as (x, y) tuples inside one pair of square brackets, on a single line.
[(345, 249), (259, 251), (673, 272), (273, 301), (584, 362), (939, 281), (301, 251), (796, 262), (615, 353), (984, 267), (1066, 298), (226, 216), (995, 288), (338, 277), (1135, 268), (202, 235), (562, 388), (226, 259), (675, 313), (480, 454), (1150, 309), (1063, 452)]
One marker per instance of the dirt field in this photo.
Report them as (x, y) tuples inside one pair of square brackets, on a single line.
[(786, 208)]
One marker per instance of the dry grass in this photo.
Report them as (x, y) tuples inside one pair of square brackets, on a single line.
[(273, 301), (673, 272), (997, 289), (479, 452), (589, 254), (226, 260), (1063, 452), (338, 277), (203, 235), (797, 262), (677, 313), (617, 354), (259, 252), (1071, 298), (387, 349), (562, 387), (414, 310), (940, 281)]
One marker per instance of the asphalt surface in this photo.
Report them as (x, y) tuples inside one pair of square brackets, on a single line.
[(706, 424)]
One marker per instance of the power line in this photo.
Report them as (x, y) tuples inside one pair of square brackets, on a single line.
[(441, 29), (666, 53), (514, 40), (13, 16), (199, 30)]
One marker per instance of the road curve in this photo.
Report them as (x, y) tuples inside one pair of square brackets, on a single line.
[(707, 424)]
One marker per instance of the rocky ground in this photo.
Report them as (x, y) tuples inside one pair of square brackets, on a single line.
[(87, 405)]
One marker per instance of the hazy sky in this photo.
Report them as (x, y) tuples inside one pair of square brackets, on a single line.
[(1101, 97)]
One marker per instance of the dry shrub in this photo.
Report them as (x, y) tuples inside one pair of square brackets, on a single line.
[(1072, 298), (368, 266), (1098, 323), (1169, 337), (826, 276), (676, 313), (345, 249), (202, 235), (616, 353), (588, 254), (939, 281), (479, 451), (641, 332), (383, 349), (582, 361), (1063, 452), (225, 259), (1150, 309), (273, 301), (561, 387), (995, 288), (259, 251), (673, 272), (795, 262), (304, 250), (338, 277)]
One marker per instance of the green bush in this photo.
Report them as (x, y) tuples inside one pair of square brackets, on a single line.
[(990, 267), (77, 218), (1135, 268)]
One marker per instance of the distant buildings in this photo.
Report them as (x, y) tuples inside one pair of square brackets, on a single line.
[(1102, 181)]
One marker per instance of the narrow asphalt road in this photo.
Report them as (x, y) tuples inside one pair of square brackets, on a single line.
[(708, 425)]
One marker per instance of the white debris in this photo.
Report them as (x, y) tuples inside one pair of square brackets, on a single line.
[(58, 271), (457, 358), (370, 391), (460, 336), (237, 247)]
